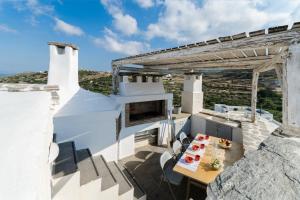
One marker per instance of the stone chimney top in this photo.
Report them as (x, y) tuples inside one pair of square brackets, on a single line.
[(62, 45)]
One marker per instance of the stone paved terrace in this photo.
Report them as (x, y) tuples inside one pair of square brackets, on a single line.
[(255, 133), (145, 167)]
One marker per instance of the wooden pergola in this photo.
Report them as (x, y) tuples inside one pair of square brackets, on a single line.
[(259, 51)]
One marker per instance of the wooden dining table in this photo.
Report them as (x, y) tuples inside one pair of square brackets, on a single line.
[(204, 174)]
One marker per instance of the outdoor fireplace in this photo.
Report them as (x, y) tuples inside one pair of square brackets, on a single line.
[(144, 112)]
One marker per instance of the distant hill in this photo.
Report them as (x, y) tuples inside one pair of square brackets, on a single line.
[(227, 87)]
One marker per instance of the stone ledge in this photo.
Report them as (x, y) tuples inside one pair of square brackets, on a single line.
[(271, 172), (14, 87), (61, 44)]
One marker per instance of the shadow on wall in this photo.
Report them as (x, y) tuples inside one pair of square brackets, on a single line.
[(95, 131), (88, 119)]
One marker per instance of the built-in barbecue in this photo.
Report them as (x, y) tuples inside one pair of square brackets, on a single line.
[(144, 112)]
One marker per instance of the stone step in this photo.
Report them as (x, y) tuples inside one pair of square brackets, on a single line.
[(65, 163), (86, 166), (124, 185), (139, 193), (106, 175)]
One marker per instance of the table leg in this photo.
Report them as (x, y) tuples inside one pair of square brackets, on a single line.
[(188, 189)]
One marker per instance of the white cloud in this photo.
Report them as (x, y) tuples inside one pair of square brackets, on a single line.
[(187, 20), (39, 9), (112, 43), (5, 28), (35, 8), (124, 23), (180, 20), (67, 28), (145, 3)]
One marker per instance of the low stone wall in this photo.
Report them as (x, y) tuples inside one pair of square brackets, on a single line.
[(16, 87), (271, 172)]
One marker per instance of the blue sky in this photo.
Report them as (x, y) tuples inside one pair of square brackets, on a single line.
[(109, 29)]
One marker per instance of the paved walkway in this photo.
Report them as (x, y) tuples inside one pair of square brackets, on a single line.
[(145, 167), (255, 133)]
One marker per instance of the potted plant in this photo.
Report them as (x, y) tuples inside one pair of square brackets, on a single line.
[(177, 109)]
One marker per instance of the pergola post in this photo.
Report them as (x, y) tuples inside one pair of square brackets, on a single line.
[(115, 78), (278, 70), (284, 95), (255, 76), (290, 90)]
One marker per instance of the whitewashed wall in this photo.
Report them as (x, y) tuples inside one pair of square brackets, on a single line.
[(96, 131), (89, 119), (293, 88), (26, 133), (198, 124)]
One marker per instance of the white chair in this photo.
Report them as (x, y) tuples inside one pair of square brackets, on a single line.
[(182, 136), (184, 140), (168, 175), (177, 148)]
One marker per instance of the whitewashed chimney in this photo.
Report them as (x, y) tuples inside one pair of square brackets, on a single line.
[(63, 69), (192, 95)]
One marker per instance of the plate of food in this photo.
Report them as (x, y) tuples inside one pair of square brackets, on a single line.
[(225, 144), (200, 138), (188, 159), (195, 147)]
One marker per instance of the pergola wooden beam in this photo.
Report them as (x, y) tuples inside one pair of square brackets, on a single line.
[(244, 54), (234, 55), (234, 63), (280, 58), (255, 53), (150, 70)]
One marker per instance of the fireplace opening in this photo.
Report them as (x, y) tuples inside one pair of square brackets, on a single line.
[(145, 112)]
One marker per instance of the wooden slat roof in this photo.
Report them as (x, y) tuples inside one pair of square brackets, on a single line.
[(243, 50)]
